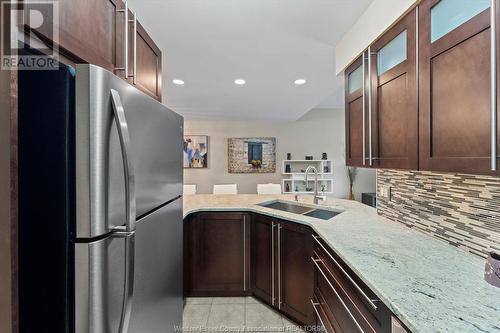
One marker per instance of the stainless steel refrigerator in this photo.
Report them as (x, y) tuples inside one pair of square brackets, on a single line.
[(100, 206)]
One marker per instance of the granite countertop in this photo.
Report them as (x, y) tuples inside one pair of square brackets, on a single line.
[(431, 286)]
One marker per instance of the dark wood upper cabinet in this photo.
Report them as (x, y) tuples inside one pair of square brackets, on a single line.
[(216, 250), (455, 91), (262, 257), (355, 81), (147, 57), (93, 31), (430, 98), (394, 105), (87, 32), (295, 272)]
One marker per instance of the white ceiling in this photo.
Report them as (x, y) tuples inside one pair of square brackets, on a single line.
[(269, 43)]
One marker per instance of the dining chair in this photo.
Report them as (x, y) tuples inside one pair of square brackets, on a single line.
[(189, 189), (226, 189), (269, 188)]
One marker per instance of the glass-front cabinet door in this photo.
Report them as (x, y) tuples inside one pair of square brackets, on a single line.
[(393, 53), (355, 78), (447, 15), (455, 86), (394, 116)]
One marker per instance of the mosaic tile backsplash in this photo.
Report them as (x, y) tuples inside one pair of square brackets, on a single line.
[(463, 210)]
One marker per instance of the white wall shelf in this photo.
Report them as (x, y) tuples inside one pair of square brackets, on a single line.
[(298, 167), (295, 181)]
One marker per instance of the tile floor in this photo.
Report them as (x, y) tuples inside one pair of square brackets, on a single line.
[(233, 314)]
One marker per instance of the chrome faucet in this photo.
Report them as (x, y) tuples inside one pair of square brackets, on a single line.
[(317, 197)]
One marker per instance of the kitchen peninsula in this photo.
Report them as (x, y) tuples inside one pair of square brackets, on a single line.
[(427, 284)]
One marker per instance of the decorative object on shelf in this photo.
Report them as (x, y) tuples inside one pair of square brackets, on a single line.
[(289, 156), (324, 156), (492, 269), (287, 187), (323, 188), (288, 168), (351, 175), (296, 188), (195, 151), (251, 155), (309, 157), (326, 169)]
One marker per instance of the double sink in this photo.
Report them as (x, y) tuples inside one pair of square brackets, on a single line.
[(318, 213)]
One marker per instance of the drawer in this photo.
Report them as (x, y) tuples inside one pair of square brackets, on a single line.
[(326, 320), (352, 285), (347, 309), (354, 303)]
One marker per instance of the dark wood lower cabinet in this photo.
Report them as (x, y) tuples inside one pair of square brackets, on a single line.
[(295, 271), (216, 254), (262, 258), (348, 304), (282, 272), (282, 263)]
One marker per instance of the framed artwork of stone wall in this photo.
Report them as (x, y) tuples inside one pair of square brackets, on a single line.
[(251, 155)]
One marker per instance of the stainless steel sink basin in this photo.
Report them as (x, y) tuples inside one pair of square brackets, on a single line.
[(322, 214), (287, 207), (318, 213)]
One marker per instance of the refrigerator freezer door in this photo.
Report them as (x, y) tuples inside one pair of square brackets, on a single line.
[(99, 285), (156, 152), (157, 302)]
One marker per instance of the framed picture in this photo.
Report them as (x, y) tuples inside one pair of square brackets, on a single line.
[(195, 151), (251, 155)]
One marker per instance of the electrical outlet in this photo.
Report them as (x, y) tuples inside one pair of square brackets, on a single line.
[(381, 192), (385, 192)]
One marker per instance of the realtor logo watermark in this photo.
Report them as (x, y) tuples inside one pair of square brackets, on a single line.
[(30, 34)]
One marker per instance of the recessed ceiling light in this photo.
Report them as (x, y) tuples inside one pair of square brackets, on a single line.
[(299, 81), (178, 82), (239, 82)]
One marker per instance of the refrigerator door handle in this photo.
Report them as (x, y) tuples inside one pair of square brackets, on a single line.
[(123, 133), (128, 282)]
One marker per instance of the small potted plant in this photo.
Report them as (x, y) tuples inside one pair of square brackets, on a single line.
[(256, 164), (351, 175)]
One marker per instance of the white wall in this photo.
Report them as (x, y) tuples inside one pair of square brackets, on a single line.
[(320, 130), (377, 18)]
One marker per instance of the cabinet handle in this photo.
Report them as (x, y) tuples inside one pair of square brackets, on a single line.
[(272, 262), (125, 40), (279, 266), (315, 261), (244, 254), (370, 153), (364, 107), (134, 62), (493, 55), (368, 299), (317, 314)]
